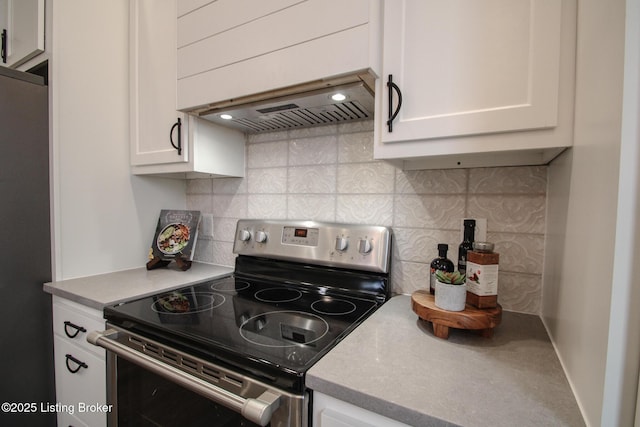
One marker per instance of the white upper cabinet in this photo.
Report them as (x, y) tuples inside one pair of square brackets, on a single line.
[(153, 103), (163, 140), (230, 49), (482, 83), (22, 27)]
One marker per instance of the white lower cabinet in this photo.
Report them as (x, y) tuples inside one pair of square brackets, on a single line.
[(80, 368), (331, 412)]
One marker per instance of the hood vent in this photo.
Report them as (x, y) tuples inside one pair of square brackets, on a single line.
[(314, 108)]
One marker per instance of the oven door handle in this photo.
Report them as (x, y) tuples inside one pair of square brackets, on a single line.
[(257, 410)]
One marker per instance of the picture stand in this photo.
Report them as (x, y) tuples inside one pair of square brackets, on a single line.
[(157, 262)]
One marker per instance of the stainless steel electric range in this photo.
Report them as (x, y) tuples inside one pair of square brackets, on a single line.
[(234, 351)]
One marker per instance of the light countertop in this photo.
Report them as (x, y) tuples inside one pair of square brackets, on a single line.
[(112, 288), (392, 364)]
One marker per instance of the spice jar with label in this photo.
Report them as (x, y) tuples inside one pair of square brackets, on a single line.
[(482, 276)]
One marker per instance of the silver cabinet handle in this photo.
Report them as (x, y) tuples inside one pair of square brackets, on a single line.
[(258, 410)]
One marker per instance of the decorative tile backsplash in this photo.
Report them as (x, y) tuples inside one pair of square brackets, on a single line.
[(328, 174)]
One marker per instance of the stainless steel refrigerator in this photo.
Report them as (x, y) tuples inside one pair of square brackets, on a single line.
[(26, 337)]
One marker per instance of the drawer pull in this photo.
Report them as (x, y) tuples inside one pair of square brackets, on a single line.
[(80, 364), (77, 328)]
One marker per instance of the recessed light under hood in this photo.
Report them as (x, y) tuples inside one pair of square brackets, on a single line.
[(312, 108)]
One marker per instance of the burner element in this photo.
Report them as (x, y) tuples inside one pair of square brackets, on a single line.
[(284, 329), (278, 295), (230, 285), (333, 306), (186, 302)]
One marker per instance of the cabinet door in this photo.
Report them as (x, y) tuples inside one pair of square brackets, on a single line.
[(80, 381), (471, 67), (22, 25), (153, 82)]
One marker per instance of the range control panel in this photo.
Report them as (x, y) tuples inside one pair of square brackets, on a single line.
[(355, 246), (300, 236)]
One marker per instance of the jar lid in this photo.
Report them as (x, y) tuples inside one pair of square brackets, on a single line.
[(483, 246)]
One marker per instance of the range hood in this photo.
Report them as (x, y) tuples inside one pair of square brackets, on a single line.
[(293, 108)]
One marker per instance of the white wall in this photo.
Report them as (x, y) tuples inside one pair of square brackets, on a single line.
[(582, 200), (103, 217), (621, 379)]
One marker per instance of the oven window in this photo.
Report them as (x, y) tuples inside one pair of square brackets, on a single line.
[(145, 399)]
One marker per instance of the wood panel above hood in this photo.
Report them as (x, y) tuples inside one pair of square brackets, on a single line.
[(288, 47)]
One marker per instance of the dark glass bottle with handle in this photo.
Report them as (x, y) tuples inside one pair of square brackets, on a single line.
[(440, 263), (466, 245)]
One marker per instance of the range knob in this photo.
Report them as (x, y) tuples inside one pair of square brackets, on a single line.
[(342, 243), (364, 246), (244, 235), (261, 236)]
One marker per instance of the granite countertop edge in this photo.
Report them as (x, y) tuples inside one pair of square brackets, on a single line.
[(405, 373), (106, 289)]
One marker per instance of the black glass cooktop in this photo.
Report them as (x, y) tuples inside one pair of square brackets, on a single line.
[(261, 325)]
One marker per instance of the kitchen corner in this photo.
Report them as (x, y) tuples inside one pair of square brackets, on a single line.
[(405, 373), (554, 177)]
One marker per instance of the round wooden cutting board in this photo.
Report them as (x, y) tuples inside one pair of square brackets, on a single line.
[(481, 319)]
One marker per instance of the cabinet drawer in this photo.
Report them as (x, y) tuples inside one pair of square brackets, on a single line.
[(84, 389), (73, 322)]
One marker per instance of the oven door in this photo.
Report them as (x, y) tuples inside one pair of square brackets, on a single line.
[(150, 384)]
